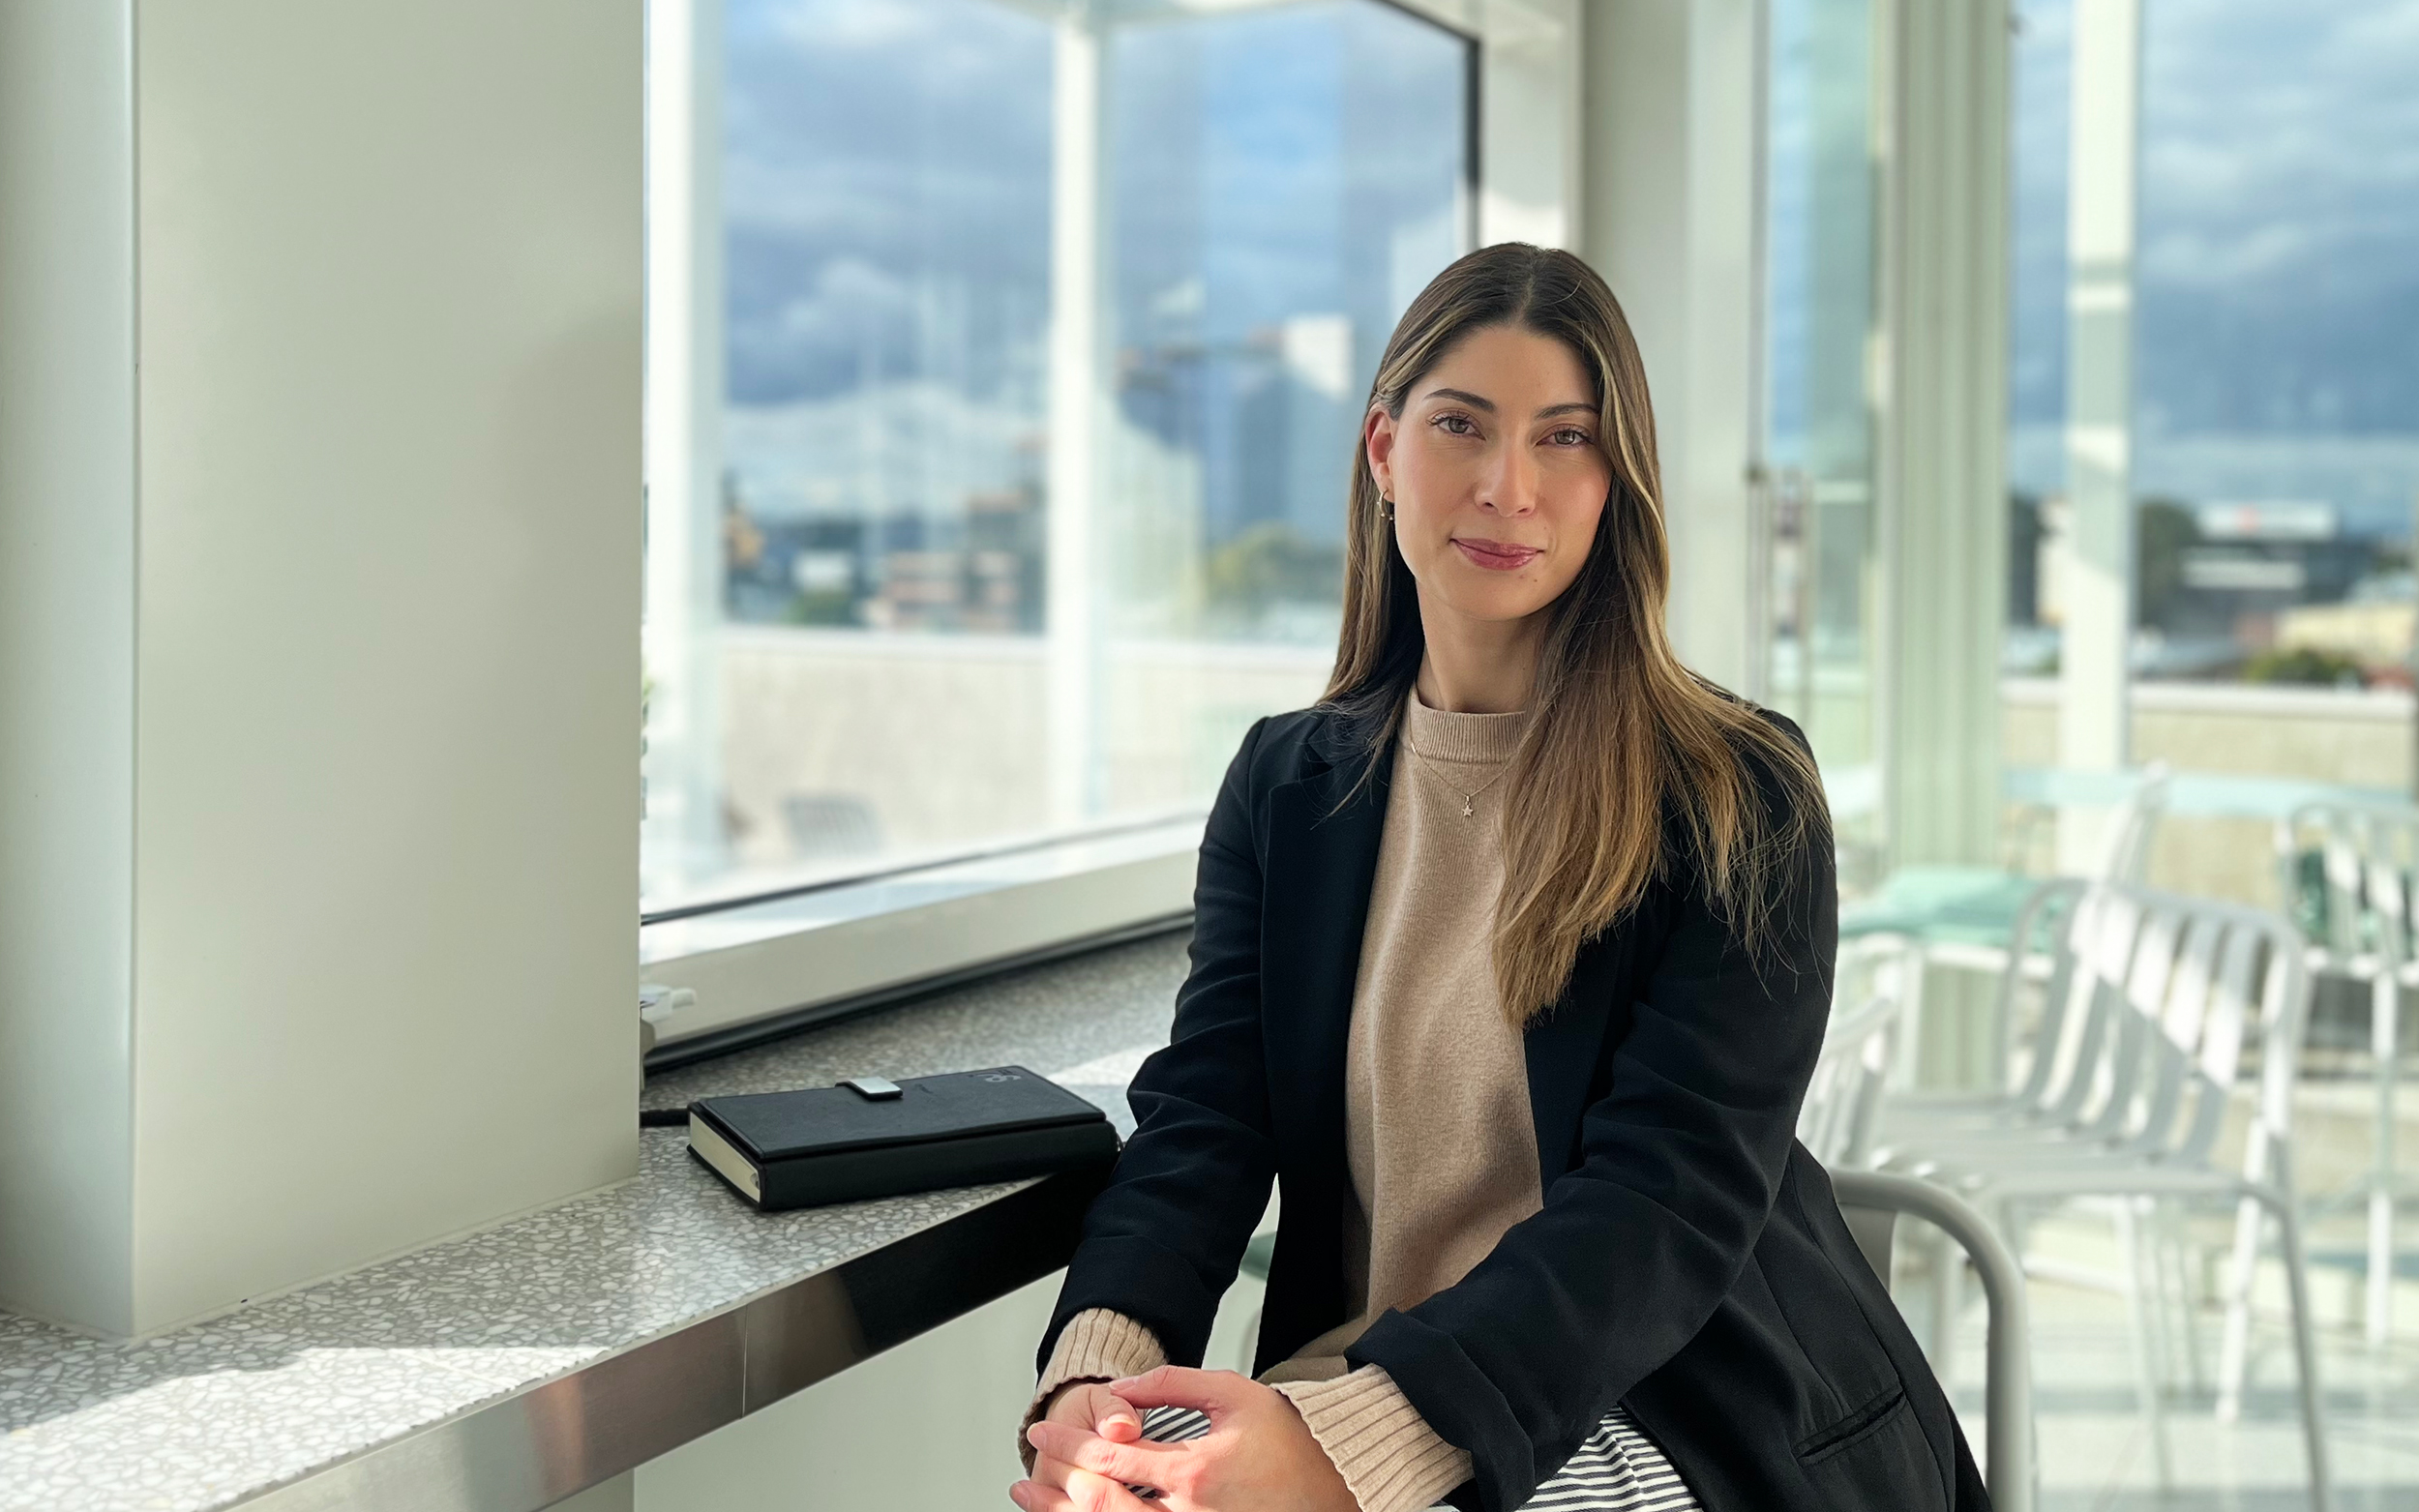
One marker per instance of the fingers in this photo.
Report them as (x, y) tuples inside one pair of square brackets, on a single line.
[(1049, 1472), (1121, 1424), (1136, 1463), (1105, 1413), (1034, 1497), (1085, 1492), (1210, 1391)]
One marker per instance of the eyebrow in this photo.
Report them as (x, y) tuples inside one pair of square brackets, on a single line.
[(1475, 402)]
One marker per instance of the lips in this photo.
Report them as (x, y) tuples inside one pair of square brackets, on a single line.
[(1497, 556)]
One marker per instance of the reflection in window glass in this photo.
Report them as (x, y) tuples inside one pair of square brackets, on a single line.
[(1043, 359), (886, 264)]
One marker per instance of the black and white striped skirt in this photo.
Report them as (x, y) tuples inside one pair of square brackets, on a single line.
[(1617, 1469)]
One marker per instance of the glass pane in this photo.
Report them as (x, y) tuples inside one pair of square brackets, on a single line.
[(2271, 416), (1818, 445), (1283, 187), (1043, 354)]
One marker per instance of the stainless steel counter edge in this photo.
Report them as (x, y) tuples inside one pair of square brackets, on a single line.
[(530, 1449)]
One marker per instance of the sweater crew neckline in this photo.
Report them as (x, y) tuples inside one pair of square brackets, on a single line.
[(1463, 739)]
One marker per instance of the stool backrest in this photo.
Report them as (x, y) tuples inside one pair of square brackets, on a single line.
[(2152, 1000)]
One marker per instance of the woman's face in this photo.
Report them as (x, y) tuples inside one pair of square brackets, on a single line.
[(1496, 473)]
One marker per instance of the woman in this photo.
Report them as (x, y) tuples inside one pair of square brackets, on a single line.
[(1511, 960)]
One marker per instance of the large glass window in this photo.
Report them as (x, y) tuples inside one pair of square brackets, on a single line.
[(1040, 353), (2238, 375)]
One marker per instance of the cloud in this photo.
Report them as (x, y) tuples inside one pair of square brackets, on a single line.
[(2279, 232)]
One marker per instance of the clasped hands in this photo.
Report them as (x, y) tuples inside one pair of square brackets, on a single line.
[(1257, 1456)]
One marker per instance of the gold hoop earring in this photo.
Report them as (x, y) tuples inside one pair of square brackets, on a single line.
[(1389, 505)]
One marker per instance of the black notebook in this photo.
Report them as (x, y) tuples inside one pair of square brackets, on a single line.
[(868, 1137)]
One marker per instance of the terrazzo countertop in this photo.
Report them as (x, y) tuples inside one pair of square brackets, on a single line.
[(220, 1411)]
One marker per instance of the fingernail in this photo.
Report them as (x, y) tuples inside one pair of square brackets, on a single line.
[(1032, 1436)]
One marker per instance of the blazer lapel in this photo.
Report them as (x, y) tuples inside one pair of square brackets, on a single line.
[(1322, 859)]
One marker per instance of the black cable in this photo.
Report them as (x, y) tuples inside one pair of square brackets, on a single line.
[(663, 1117)]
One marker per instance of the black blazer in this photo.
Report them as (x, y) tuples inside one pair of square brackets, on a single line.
[(1689, 1260)]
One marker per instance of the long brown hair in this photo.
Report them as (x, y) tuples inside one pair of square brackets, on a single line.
[(1622, 739)]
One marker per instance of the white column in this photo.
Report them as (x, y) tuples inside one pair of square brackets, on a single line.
[(684, 398), (319, 593), (67, 659), (1078, 412), (2096, 591), (1943, 405), (1669, 167), (1942, 472)]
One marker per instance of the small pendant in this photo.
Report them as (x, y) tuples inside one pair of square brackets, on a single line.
[(1465, 807)]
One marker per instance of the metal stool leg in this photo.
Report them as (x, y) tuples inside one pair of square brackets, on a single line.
[(2305, 1346), (2384, 1014), (2234, 1353), (2140, 1308), (1947, 1299), (2191, 1285)]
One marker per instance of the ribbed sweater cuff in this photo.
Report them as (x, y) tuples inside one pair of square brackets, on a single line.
[(1388, 1456), (1095, 1345)]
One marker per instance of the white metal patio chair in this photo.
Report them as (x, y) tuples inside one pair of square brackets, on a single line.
[(1966, 916), (2162, 993), (2044, 927), (2345, 871)]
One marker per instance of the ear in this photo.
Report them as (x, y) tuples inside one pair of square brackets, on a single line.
[(1378, 431)]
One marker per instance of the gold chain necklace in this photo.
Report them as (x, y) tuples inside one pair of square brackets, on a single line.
[(1469, 797)]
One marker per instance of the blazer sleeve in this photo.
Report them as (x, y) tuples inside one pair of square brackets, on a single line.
[(1680, 1163), (1162, 1242)]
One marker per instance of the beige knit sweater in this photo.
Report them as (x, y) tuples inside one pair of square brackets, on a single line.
[(1436, 1105)]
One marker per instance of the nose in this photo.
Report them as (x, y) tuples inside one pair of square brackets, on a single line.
[(1509, 486)]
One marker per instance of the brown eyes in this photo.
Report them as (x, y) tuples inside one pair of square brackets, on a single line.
[(1462, 424)]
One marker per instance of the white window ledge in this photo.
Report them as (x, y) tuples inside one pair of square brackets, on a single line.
[(768, 966)]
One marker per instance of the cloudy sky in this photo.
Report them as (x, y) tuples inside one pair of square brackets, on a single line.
[(888, 180), (2279, 269), (887, 176)]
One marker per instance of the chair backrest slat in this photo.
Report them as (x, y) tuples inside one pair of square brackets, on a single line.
[(2106, 924), (2053, 908)]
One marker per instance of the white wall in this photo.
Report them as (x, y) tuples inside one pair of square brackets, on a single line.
[(373, 757), (67, 655)]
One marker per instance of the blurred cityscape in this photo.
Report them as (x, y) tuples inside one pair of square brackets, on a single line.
[(1242, 542), (2272, 591)]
